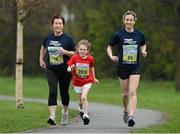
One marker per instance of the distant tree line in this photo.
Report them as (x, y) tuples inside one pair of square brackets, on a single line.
[(95, 20)]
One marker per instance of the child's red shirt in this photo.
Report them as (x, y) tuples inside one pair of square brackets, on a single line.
[(82, 74)]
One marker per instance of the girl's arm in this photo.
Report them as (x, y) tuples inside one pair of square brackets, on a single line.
[(71, 64), (95, 80), (70, 68)]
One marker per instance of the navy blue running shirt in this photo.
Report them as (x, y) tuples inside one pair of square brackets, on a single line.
[(128, 46), (53, 43)]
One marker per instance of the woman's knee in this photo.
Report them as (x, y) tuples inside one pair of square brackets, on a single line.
[(52, 93), (65, 102), (65, 99), (125, 95), (132, 93)]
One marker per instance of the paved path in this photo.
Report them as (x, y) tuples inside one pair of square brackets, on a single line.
[(104, 118)]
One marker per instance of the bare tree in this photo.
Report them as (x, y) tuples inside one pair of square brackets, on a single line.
[(22, 11), (19, 53)]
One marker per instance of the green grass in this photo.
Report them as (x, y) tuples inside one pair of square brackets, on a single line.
[(156, 95), (34, 115)]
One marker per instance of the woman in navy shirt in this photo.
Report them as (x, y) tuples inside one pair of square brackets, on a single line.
[(130, 43), (59, 48)]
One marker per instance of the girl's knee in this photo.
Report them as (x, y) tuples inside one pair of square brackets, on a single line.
[(83, 98)]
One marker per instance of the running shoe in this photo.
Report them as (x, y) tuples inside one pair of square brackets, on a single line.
[(125, 117), (64, 119), (131, 122), (86, 119), (51, 122)]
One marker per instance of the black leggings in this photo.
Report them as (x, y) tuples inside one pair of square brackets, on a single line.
[(63, 78)]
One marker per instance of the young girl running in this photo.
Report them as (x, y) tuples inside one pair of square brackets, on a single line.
[(82, 67)]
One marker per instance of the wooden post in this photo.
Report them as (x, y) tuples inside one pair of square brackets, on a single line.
[(19, 54)]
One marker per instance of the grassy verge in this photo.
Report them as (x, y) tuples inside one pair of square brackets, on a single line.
[(153, 95), (31, 117)]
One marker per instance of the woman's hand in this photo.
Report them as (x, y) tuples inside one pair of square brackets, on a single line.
[(144, 53), (114, 58), (42, 64), (62, 51)]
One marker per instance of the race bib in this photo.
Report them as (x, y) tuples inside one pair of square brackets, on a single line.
[(130, 54), (54, 55), (82, 70)]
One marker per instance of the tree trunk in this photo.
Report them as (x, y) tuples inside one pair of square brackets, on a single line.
[(19, 55)]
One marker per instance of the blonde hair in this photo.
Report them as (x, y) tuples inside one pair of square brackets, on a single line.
[(84, 42), (129, 12)]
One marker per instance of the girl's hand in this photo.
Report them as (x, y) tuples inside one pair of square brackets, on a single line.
[(71, 68), (96, 81)]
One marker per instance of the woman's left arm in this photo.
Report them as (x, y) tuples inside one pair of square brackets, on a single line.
[(143, 50), (66, 52)]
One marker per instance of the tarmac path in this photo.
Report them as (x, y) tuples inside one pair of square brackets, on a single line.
[(104, 118)]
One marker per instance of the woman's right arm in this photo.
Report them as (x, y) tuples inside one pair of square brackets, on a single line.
[(43, 51), (110, 54)]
